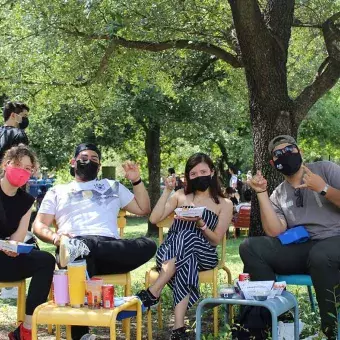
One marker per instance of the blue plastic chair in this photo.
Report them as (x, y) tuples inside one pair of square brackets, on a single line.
[(300, 280)]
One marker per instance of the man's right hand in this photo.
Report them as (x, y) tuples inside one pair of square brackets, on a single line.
[(57, 237), (258, 182)]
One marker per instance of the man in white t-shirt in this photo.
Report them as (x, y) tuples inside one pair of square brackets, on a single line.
[(86, 212)]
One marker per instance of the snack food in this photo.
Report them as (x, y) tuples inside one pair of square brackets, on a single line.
[(16, 247), (189, 212)]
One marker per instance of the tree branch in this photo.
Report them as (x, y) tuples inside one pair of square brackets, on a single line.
[(153, 46), (279, 16), (328, 73)]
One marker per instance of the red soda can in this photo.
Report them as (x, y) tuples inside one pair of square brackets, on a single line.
[(244, 277), (108, 296)]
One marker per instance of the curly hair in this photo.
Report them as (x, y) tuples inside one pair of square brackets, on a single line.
[(16, 153)]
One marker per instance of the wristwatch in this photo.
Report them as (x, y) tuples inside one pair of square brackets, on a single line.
[(323, 192)]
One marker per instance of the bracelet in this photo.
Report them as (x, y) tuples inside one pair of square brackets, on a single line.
[(204, 226), (260, 192), (137, 182)]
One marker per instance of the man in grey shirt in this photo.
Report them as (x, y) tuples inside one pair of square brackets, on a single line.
[(308, 197)]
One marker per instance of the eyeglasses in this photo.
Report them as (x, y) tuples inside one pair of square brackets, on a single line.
[(287, 149), (299, 198)]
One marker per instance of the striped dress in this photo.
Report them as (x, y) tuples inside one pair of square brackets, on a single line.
[(193, 253)]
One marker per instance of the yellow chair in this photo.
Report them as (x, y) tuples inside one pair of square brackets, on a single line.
[(207, 276), (115, 279), (50, 313), (21, 301)]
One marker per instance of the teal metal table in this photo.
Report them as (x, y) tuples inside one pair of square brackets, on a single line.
[(277, 306)]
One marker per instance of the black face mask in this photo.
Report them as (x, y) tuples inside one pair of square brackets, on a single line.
[(288, 164), (24, 123), (201, 183), (86, 170)]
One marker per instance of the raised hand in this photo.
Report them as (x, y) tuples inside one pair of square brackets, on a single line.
[(258, 182), (170, 182), (131, 171), (312, 181)]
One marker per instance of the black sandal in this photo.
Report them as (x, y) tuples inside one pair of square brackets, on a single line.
[(179, 334), (147, 298)]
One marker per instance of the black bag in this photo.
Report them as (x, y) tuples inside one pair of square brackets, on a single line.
[(253, 323)]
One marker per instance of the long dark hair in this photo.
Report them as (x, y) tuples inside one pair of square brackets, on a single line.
[(215, 187)]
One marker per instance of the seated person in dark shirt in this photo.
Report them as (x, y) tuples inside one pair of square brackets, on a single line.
[(15, 211)]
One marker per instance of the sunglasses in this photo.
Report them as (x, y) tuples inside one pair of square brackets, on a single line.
[(287, 149), (299, 198)]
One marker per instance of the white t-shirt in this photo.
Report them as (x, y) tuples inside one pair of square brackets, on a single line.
[(233, 181), (87, 208)]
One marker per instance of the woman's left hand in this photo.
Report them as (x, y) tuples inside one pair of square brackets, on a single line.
[(131, 171), (192, 219)]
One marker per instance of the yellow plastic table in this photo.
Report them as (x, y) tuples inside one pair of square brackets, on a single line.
[(50, 313)]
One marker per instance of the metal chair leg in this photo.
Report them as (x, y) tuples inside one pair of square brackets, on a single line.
[(311, 298)]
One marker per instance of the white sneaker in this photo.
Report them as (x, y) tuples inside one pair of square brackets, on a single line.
[(9, 293), (88, 337), (70, 249)]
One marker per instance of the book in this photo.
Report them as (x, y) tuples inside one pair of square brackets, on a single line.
[(17, 247)]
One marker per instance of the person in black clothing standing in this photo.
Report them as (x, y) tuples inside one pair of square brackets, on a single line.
[(15, 211), (16, 121)]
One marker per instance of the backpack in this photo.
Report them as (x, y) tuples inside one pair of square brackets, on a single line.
[(253, 323)]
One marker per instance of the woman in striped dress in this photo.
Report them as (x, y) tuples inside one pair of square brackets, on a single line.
[(191, 243)]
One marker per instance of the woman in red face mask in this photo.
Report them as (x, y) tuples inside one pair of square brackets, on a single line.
[(15, 211)]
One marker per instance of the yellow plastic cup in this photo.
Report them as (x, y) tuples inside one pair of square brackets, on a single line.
[(76, 283)]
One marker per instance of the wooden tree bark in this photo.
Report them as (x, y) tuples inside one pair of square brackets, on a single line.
[(263, 40), (153, 152)]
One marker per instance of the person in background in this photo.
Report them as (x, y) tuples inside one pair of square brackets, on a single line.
[(247, 201), (233, 179), (12, 133), (15, 210), (230, 193), (179, 183)]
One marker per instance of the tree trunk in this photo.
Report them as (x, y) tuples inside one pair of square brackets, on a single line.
[(265, 127), (152, 147), (223, 162)]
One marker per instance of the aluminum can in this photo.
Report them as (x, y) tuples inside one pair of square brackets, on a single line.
[(108, 296), (60, 288), (244, 277)]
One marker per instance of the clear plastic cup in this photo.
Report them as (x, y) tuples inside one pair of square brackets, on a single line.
[(227, 291)]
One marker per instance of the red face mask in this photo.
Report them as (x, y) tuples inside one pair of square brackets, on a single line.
[(17, 176)]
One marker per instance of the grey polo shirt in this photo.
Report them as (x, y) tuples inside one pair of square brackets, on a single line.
[(318, 215)]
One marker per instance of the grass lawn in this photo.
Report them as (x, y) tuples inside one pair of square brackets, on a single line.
[(138, 227)]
